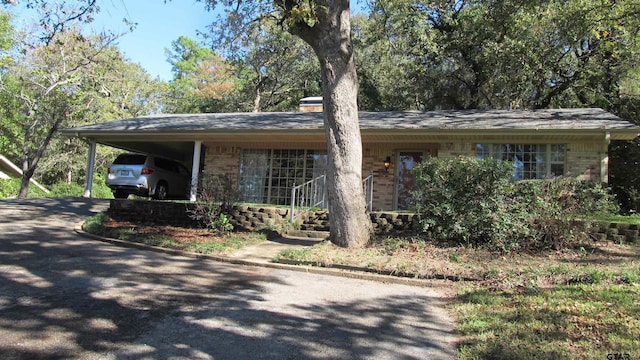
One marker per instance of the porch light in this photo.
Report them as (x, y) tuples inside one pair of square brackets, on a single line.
[(387, 163)]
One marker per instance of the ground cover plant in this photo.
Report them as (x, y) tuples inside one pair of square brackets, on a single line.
[(202, 241)]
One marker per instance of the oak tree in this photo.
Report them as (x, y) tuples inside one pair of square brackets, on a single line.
[(326, 26)]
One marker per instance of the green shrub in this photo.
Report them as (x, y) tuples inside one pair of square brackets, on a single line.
[(63, 189), (100, 190), (565, 195), (465, 201), (10, 188), (554, 205), (476, 203)]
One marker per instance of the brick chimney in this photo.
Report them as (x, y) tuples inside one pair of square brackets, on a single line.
[(311, 104)]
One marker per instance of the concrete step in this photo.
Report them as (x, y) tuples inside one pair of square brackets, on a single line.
[(307, 234)]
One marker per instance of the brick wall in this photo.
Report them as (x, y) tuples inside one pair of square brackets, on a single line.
[(584, 160), (221, 159)]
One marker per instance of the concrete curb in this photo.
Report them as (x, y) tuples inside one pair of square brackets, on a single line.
[(352, 273)]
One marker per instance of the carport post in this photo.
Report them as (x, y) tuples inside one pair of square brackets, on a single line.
[(195, 170), (91, 160)]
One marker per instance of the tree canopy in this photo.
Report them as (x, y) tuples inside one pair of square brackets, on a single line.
[(267, 55)]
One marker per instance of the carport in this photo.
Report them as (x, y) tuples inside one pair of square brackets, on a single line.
[(181, 136), (157, 140)]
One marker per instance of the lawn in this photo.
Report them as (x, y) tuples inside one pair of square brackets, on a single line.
[(582, 302)]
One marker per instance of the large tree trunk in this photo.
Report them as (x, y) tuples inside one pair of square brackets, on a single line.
[(330, 38)]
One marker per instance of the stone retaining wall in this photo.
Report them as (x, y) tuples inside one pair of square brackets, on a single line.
[(258, 217), (618, 233), (249, 217)]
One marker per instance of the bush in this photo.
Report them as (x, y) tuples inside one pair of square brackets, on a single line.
[(476, 203), (100, 190), (63, 189), (554, 206), (9, 188), (216, 197), (465, 201)]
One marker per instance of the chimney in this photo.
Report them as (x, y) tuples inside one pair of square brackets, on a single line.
[(311, 104)]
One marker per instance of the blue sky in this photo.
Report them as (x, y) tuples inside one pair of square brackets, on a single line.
[(159, 24)]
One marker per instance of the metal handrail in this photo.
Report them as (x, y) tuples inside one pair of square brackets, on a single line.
[(308, 195), (311, 195), (367, 184)]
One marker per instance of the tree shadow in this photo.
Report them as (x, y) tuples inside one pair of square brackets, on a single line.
[(62, 296)]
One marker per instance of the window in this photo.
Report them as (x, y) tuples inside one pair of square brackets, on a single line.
[(530, 161), (266, 176)]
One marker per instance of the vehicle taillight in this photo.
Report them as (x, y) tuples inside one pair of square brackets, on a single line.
[(146, 171)]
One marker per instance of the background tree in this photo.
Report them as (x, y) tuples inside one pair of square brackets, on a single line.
[(275, 69), (9, 130), (50, 64), (202, 80), (509, 54), (123, 90)]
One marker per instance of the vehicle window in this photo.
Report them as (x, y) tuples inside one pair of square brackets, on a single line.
[(130, 159), (168, 165), (159, 163)]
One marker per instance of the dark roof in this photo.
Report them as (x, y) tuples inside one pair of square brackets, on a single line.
[(559, 119)]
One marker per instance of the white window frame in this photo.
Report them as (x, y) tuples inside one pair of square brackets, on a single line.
[(276, 187), (554, 155)]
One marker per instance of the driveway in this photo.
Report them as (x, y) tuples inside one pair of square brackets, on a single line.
[(66, 296)]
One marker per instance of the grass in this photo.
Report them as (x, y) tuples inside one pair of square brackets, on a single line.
[(559, 322), (575, 303), (621, 219), (197, 241)]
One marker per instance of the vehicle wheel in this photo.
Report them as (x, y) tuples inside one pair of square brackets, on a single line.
[(120, 195), (161, 191)]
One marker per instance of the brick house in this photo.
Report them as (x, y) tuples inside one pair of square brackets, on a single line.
[(266, 153)]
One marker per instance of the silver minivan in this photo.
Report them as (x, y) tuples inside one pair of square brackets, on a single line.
[(148, 175)]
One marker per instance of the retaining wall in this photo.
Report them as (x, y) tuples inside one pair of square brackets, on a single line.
[(248, 217), (257, 217)]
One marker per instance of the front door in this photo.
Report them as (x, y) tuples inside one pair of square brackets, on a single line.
[(406, 181)]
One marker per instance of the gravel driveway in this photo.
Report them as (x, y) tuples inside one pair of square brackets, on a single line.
[(63, 296)]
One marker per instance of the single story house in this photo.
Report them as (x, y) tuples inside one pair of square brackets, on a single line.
[(265, 154)]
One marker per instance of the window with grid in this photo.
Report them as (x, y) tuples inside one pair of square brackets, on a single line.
[(267, 176), (530, 161)]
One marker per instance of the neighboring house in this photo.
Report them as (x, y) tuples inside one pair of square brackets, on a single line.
[(10, 170), (266, 153)]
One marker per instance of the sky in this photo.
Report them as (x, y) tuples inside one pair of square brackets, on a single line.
[(159, 24)]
